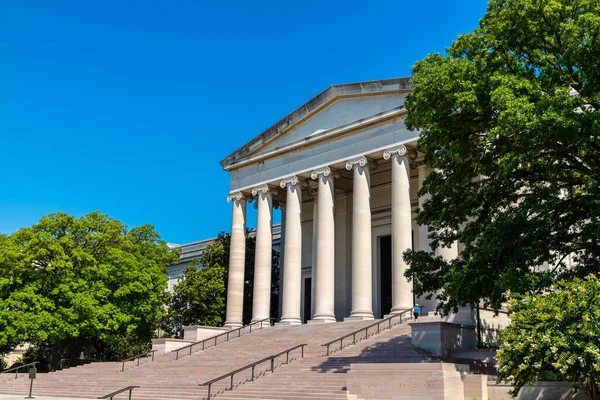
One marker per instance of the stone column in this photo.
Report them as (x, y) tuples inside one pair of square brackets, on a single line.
[(237, 257), (313, 268), (325, 272), (292, 280), (402, 297), (261, 305), (362, 272)]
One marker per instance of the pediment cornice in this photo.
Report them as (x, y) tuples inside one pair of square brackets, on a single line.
[(250, 151)]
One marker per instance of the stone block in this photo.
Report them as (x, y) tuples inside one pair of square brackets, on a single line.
[(440, 338), (167, 345), (200, 332), (406, 381)]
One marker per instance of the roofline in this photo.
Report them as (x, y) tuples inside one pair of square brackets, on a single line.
[(329, 94)]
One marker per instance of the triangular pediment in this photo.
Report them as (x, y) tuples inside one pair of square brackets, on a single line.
[(338, 109)]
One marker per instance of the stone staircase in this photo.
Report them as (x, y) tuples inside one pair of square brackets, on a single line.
[(313, 377)]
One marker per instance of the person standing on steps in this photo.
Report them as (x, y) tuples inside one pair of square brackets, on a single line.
[(416, 311)]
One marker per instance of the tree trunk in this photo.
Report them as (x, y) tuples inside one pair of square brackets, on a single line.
[(592, 391)]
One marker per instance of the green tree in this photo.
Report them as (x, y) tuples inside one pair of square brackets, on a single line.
[(70, 285), (510, 124), (554, 337), (200, 296)]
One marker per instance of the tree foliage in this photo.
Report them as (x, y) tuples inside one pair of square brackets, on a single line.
[(72, 285), (200, 296), (510, 125), (554, 337)]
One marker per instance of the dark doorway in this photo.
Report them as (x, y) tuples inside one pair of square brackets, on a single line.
[(385, 262), (307, 298)]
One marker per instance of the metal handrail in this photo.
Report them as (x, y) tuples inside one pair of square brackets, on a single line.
[(366, 329), (16, 369), (215, 338), (253, 365), (138, 357), (113, 394)]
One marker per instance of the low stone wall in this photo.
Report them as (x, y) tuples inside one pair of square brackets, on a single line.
[(167, 345), (550, 391), (201, 332), (440, 338), (413, 381)]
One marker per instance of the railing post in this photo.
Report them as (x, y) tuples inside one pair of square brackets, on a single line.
[(215, 340), (327, 349), (228, 336), (354, 338), (191, 350), (177, 355), (272, 364), (253, 373), (341, 344), (123, 367), (231, 383), (204, 341), (390, 321), (250, 327), (261, 324), (138, 361), (239, 332), (287, 357), (153, 355), (209, 385), (130, 390), (303, 351)]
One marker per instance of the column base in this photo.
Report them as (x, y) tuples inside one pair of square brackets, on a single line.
[(360, 316), (232, 325), (290, 321), (265, 324), (322, 319)]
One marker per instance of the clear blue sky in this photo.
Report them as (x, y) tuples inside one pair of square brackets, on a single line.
[(127, 107)]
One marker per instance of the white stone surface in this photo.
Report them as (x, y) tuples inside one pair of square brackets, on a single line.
[(293, 253), (197, 333), (325, 266), (237, 259), (362, 269), (261, 305), (402, 297)]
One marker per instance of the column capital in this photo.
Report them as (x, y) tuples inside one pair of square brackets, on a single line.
[(263, 189), (356, 162), (289, 181), (325, 171), (235, 196), (399, 150), (360, 161)]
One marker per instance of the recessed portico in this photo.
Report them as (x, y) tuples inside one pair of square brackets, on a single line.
[(345, 168)]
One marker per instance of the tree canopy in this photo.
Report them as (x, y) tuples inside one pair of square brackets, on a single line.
[(510, 125), (70, 285), (199, 298), (554, 337)]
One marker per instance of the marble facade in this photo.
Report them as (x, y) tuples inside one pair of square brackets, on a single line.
[(344, 170)]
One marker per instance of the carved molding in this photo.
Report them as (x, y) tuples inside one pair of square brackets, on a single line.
[(264, 189), (237, 196), (400, 150), (325, 171), (289, 181), (358, 161)]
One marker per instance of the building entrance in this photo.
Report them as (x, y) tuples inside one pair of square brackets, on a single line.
[(385, 274), (307, 299)]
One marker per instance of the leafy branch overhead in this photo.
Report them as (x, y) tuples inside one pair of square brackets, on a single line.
[(510, 122)]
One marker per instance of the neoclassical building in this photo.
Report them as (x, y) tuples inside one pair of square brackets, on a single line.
[(344, 170)]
